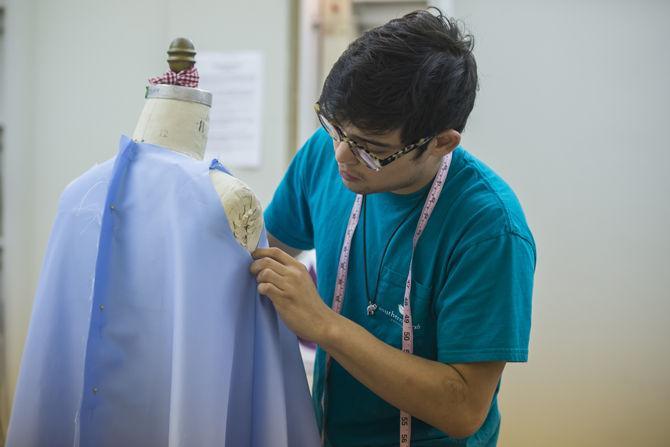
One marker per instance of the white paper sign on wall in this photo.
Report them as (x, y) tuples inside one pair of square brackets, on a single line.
[(235, 80)]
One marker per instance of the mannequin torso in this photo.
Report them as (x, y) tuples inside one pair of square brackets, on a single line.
[(177, 118)]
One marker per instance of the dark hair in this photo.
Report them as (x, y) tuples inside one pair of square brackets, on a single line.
[(416, 74)]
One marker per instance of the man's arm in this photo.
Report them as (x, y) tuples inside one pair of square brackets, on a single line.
[(453, 398), (274, 242)]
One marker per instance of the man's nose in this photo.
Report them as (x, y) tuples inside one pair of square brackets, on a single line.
[(343, 153)]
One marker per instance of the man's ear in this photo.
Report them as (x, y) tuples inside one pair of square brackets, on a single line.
[(445, 142)]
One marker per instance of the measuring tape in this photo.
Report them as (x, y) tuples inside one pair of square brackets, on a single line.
[(341, 282)]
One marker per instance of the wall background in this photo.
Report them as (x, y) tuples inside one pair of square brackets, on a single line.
[(573, 111)]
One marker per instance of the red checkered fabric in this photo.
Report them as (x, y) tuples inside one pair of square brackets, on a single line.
[(186, 78)]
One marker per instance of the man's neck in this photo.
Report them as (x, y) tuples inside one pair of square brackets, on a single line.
[(421, 181)]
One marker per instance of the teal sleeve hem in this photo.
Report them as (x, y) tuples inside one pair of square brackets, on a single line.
[(492, 355), (277, 232)]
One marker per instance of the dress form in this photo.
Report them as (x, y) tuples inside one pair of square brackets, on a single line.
[(177, 118)]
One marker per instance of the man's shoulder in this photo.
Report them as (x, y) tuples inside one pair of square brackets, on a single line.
[(315, 165), (315, 150), (483, 201)]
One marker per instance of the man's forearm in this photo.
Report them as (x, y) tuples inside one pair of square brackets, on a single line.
[(431, 391), (274, 242)]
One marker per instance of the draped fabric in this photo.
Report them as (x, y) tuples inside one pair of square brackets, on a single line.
[(147, 329)]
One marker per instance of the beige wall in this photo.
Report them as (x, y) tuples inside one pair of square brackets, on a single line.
[(573, 111)]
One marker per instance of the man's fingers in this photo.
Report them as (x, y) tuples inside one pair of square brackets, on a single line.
[(267, 263), (272, 277), (275, 253), (269, 290)]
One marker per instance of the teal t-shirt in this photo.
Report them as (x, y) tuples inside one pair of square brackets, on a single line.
[(473, 278)]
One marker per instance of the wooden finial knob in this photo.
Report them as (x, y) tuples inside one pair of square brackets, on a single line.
[(181, 54)]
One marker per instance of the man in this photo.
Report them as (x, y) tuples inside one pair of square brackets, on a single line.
[(392, 111)]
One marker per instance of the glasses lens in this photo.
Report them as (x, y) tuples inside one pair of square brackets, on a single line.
[(330, 128), (367, 159)]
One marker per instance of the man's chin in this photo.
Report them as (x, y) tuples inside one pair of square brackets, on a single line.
[(356, 187)]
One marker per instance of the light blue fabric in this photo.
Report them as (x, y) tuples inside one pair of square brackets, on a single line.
[(147, 329), (472, 280)]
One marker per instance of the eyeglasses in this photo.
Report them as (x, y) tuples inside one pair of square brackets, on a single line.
[(363, 155)]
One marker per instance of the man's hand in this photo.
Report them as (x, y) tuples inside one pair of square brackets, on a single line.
[(286, 282)]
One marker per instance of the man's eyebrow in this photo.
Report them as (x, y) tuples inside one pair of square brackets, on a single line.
[(369, 141)]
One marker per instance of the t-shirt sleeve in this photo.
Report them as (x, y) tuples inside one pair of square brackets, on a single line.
[(288, 216), (484, 309)]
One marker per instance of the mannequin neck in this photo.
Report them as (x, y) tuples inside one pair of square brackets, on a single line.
[(174, 124)]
